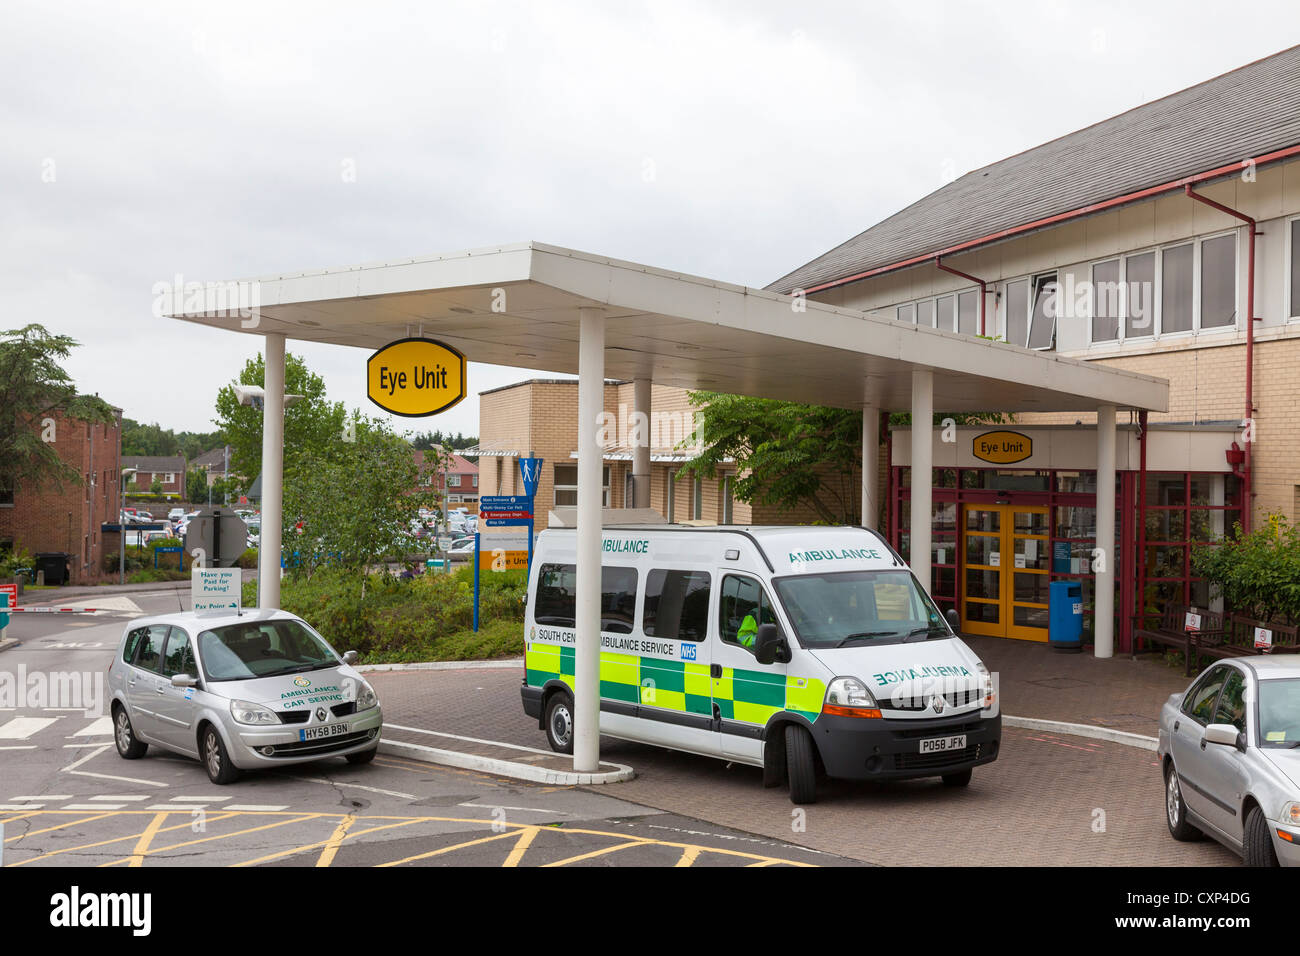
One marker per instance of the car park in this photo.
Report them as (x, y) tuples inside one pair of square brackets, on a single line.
[(1229, 749), (790, 649), (239, 692)]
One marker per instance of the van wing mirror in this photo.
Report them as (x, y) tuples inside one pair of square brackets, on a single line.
[(770, 646), (350, 657), (954, 621)]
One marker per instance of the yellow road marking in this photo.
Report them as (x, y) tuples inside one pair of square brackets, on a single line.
[(70, 823), (121, 839), (142, 847), (226, 836), (20, 816), (525, 841), (764, 863), (609, 849), (449, 849), (321, 843), (336, 840), (689, 855)]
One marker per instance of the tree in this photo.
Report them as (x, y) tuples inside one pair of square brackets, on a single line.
[(196, 486), (352, 503), (311, 425), (789, 455), (33, 388)]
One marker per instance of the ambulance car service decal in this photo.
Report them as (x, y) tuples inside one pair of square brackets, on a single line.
[(835, 554), (614, 546), (912, 673)]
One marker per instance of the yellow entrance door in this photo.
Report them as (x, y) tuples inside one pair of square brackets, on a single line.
[(1006, 571)]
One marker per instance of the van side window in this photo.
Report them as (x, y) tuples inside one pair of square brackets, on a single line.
[(743, 607), (556, 591), (677, 605)]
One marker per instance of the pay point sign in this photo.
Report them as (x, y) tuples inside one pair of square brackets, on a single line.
[(415, 377)]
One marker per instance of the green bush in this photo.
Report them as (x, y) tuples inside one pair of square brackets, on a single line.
[(11, 561), (1257, 574)]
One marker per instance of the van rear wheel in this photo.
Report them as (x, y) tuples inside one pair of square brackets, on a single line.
[(801, 764), (559, 722)]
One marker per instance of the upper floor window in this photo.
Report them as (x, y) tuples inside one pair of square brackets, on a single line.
[(1293, 239), (566, 486)]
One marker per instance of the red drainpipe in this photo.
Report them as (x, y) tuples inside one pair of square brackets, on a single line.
[(1247, 496), (983, 288)]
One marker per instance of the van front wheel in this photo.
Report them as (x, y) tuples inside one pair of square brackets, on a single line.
[(559, 722), (801, 764)]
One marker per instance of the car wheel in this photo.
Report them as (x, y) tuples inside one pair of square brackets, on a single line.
[(215, 759), (1259, 842), (1176, 810), (959, 779), (559, 722), (128, 747), (800, 764), (364, 757)]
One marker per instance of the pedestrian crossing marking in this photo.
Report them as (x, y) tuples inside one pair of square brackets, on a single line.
[(20, 728)]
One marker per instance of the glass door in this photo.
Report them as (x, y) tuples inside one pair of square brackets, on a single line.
[(1028, 547), (1006, 571), (982, 611)]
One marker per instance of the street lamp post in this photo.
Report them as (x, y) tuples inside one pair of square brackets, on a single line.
[(121, 524)]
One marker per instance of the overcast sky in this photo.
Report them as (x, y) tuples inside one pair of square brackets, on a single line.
[(729, 140)]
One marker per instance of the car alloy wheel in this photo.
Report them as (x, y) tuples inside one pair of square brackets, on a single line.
[(1173, 801), (212, 753), (123, 732)]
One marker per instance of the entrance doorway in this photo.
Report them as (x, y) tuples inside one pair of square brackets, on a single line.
[(1007, 561)]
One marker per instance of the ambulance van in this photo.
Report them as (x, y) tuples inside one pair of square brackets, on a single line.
[(794, 649)]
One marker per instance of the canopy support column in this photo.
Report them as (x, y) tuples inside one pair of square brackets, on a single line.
[(272, 473), (1103, 610), (640, 444), (591, 407), (870, 465), (922, 478)]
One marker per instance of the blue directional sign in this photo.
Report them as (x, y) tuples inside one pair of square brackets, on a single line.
[(530, 469), (505, 503), (507, 522)]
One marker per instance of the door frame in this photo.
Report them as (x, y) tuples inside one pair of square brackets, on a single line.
[(1007, 537)]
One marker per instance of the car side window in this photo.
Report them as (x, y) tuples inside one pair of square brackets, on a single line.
[(179, 656), (744, 606), (132, 644), (1200, 700), (1232, 703), (151, 648)]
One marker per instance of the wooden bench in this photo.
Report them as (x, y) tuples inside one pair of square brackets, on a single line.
[(1238, 639), (1171, 631)]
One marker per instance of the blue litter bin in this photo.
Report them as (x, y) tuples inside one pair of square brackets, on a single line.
[(1065, 615)]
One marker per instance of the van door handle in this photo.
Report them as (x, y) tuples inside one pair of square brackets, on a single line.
[(715, 670)]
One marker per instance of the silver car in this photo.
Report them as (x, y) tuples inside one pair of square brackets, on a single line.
[(1230, 752), (239, 692)]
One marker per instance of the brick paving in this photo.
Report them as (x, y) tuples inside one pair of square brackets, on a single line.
[(1049, 799)]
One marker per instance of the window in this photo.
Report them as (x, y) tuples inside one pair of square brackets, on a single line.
[(743, 607), (473, 480), (1140, 295), (677, 605), (1294, 234), (670, 495), (133, 643), (945, 310), (1106, 302), (1042, 321), (925, 313), (727, 514), (557, 588), (1232, 703), (150, 648), (1200, 700), (179, 657), (1018, 312), (697, 504), (1219, 281), (453, 481), (566, 486), (968, 313), (629, 490), (907, 313), (169, 478), (1176, 289)]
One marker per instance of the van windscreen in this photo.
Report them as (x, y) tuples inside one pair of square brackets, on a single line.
[(858, 607)]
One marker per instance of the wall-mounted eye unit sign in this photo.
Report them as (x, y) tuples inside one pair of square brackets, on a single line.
[(1002, 448), (415, 377)]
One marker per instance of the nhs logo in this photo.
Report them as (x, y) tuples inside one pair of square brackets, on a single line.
[(688, 652)]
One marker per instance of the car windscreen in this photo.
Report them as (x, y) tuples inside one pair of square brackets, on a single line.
[(262, 649), (848, 608), (1279, 713)]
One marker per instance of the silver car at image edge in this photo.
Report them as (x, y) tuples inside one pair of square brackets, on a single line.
[(1229, 749), (239, 692)]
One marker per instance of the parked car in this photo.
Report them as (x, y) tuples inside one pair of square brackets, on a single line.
[(1229, 748), (175, 514), (239, 692)]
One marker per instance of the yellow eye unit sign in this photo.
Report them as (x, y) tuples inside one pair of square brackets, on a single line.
[(415, 377), (1002, 448)]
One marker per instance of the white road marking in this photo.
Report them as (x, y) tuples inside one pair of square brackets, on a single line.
[(80, 746), (30, 747), (94, 806), (494, 806), (255, 807), (199, 799), (356, 786), (21, 728), (109, 776), (122, 798), (94, 753), (176, 808), (46, 796), (103, 727), (21, 806)]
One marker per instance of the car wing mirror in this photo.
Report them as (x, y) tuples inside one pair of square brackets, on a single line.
[(770, 646), (350, 657), (1225, 734), (184, 680), (954, 621)]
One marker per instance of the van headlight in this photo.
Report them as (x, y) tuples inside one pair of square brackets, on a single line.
[(986, 683), (849, 697), (245, 712), (366, 697)]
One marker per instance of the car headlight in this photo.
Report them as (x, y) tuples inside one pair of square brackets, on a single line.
[(1291, 814), (849, 697), (986, 682), (366, 697), (249, 713)]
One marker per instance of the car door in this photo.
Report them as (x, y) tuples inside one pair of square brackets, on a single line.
[(1187, 735), (745, 692), (175, 707), (144, 683), (1222, 769)]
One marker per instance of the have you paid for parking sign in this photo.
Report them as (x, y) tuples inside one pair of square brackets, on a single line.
[(415, 377)]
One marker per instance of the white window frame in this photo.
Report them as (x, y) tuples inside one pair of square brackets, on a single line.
[(453, 481), (557, 488), (697, 499), (1157, 320), (670, 495), (1291, 294)]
